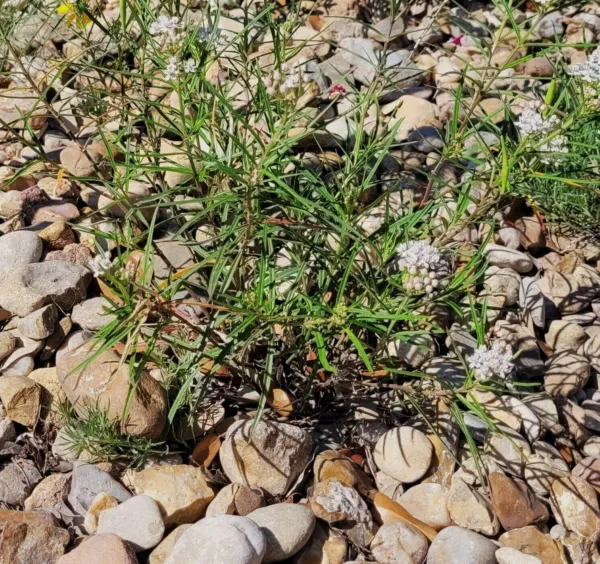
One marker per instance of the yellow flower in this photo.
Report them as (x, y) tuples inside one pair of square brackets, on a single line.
[(73, 14)]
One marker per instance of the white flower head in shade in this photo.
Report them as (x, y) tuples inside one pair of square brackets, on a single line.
[(190, 66), (168, 32), (166, 25), (588, 71), (100, 265), (533, 125), (487, 362), (171, 69)]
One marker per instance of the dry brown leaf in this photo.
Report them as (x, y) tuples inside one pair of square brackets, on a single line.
[(206, 450), (108, 293), (386, 510), (281, 402)]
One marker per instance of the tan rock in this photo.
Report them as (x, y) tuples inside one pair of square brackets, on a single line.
[(49, 494), (324, 547), (530, 540), (180, 490), (508, 448), (470, 510), (57, 236), (530, 233), (100, 549), (160, 554), (103, 383), (404, 453), (566, 373), (18, 103), (563, 335), (236, 499), (575, 506), (268, 455), (101, 502), (21, 398), (589, 470), (514, 503), (331, 464), (428, 503), (414, 112), (53, 396)]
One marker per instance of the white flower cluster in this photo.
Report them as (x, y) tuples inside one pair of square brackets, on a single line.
[(588, 71), (100, 265), (172, 69), (487, 362), (422, 266), (168, 32), (535, 127), (289, 80)]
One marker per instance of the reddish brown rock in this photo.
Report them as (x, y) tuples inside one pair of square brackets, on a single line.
[(514, 503), (23, 543)]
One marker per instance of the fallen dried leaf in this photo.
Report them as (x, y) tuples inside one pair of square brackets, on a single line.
[(206, 450), (386, 510)]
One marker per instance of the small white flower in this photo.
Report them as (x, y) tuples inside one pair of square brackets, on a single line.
[(588, 71), (204, 34), (190, 66), (166, 25), (495, 361), (100, 265), (172, 68), (535, 127), (417, 254), (423, 267)]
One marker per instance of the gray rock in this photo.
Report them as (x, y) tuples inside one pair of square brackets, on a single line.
[(503, 281), (508, 555), (592, 447), (504, 257), (425, 139), (177, 255), (19, 248), (399, 542), (448, 370), (455, 545), (137, 521), (17, 481), (477, 427), (531, 300), (63, 447), (415, 351), (27, 288), (92, 314), (88, 481), (226, 539), (509, 449), (287, 528), (40, 323), (551, 26)]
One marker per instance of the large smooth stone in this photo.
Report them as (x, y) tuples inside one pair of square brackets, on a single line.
[(404, 453), (226, 539), (287, 528), (455, 545)]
